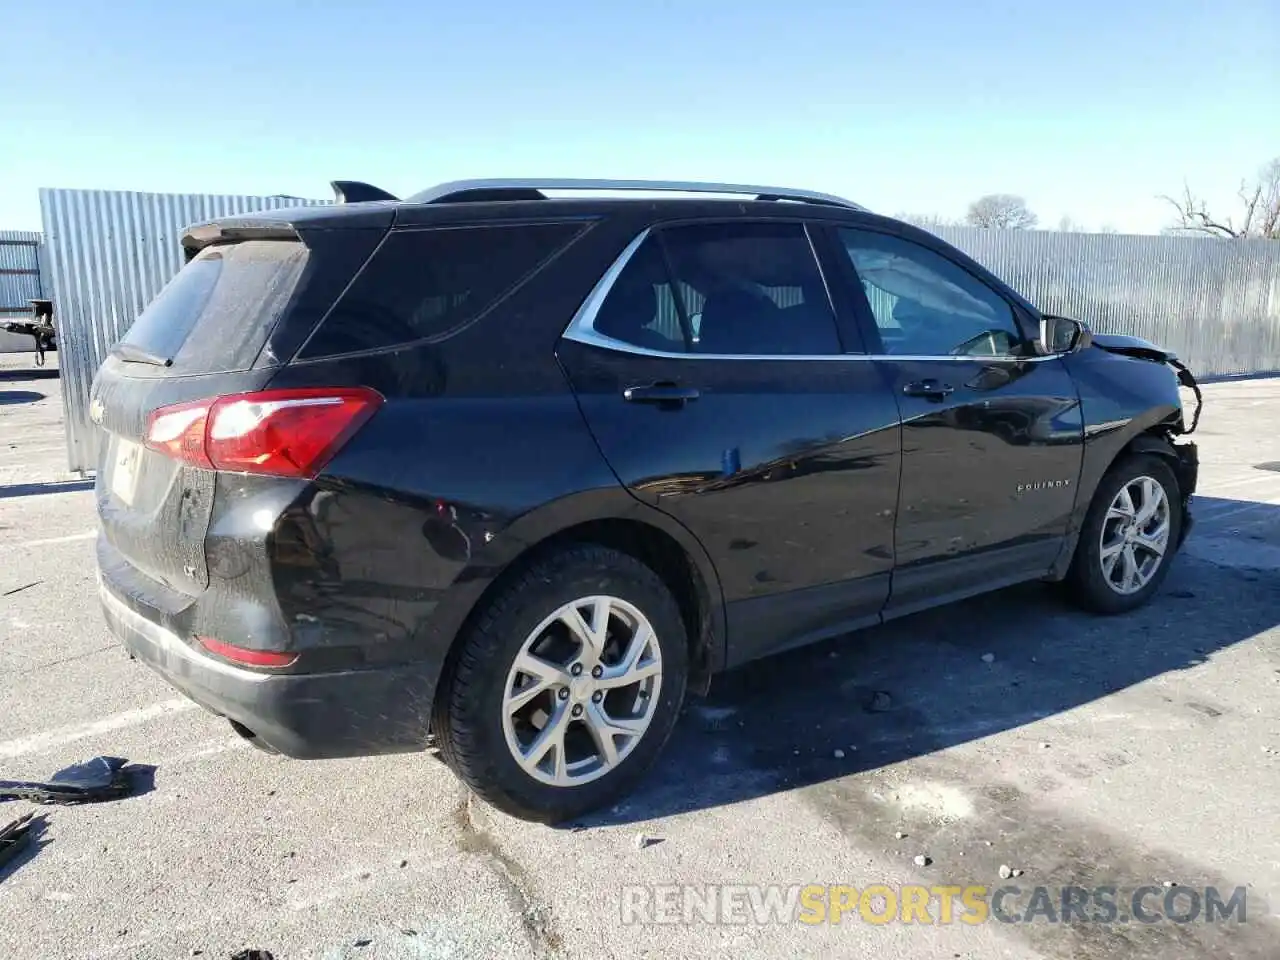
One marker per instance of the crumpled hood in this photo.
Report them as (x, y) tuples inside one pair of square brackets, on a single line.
[(1132, 347)]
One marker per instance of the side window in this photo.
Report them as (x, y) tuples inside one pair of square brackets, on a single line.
[(426, 283), (732, 288), (641, 308), (752, 288), (925, 305)]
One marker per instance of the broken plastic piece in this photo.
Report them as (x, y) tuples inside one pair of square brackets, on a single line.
[(14, 838), (102, 778)]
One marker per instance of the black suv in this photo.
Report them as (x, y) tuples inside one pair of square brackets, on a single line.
[(510, 473)]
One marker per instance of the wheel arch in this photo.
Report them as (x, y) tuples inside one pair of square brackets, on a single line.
[(619, 521), (1101, 456)]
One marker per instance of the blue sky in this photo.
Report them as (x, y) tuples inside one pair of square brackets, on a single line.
[(1088, 109)]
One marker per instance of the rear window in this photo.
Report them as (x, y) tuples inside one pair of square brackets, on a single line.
[(216, 314), (425, 284)]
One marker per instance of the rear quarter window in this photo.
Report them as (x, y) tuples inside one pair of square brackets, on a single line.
[(426, 284)]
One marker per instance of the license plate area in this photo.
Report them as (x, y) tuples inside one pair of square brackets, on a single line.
[(124, 471)]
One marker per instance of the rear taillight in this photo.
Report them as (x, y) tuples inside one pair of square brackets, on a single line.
[(283, 433)]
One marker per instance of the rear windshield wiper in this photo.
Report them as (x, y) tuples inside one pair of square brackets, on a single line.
[(131, 353)]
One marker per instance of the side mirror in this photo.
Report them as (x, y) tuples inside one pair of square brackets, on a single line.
[(1060, 335)]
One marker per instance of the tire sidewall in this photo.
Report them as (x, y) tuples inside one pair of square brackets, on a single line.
[(480, 706), (1087, 576)]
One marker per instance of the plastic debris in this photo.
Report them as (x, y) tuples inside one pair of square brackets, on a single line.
[(14, 838), (102, 778)]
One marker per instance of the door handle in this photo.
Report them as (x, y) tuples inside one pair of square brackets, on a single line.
[(664, 392), (929, 389)]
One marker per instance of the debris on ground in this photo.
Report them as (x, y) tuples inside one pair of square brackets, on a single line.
[(15, 837), (988, 658), (643, 841), (1171, 883), (1044, 744), (1005, 871), (838, 754), (1017, 872), (922, 861), (900, 835), (102, 778), (253, 955)]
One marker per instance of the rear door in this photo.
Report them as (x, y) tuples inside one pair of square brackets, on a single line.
[(992, 433), (710, 370)]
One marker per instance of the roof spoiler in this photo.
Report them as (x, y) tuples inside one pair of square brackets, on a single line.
[(353, 191)]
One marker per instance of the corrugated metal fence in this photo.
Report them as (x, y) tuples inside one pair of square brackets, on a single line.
[(1216, 303), (109, 253)]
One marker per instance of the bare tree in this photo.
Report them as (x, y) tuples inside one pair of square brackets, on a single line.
[(1001, 211), (926, 221), (1069, 225), (1259, 214)]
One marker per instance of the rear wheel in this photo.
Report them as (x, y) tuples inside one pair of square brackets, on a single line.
[(566, 687), (1128, 537)]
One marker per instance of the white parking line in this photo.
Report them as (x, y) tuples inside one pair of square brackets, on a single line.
[(70, 538), (49, 739)]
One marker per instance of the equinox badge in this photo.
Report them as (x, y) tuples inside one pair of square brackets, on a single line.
[(1042, 485)]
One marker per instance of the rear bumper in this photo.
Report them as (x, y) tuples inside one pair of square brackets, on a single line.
[(307, 716)]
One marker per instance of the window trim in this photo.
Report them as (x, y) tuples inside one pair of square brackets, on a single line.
[(866, 317), (581, 329)]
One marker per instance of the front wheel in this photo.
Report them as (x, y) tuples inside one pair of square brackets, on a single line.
[(566, 687), (1129, 535)]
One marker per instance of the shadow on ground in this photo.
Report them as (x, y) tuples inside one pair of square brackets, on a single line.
[(920, 684), (33, 373), (38, 489), (10, 397)]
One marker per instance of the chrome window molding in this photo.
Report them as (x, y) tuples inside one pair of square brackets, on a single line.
[(581, 329)]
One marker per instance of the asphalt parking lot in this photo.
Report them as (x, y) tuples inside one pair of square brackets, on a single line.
[(1087, 752)]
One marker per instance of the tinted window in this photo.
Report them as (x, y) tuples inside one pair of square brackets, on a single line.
[(642, 308), (217, 312), (732, 288), (926, 305), (752, 288), (426, 283)]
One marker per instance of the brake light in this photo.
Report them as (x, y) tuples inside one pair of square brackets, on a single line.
[(252, 658), (283, 433)]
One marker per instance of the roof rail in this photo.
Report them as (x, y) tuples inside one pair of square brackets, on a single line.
[(459, 191)]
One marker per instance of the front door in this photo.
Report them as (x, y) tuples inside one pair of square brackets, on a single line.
[(714, 379), (992, 433)]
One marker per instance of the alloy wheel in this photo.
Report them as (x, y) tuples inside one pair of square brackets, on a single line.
[(1135, 535), (582, 691)]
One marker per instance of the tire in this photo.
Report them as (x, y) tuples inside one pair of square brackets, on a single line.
[(1088, 583), (476, 732)]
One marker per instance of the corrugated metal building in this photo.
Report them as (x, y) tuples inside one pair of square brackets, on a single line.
[(19, 282), (108, 254)]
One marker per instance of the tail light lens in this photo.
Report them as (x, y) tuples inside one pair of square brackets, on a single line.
[(282, 433)]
